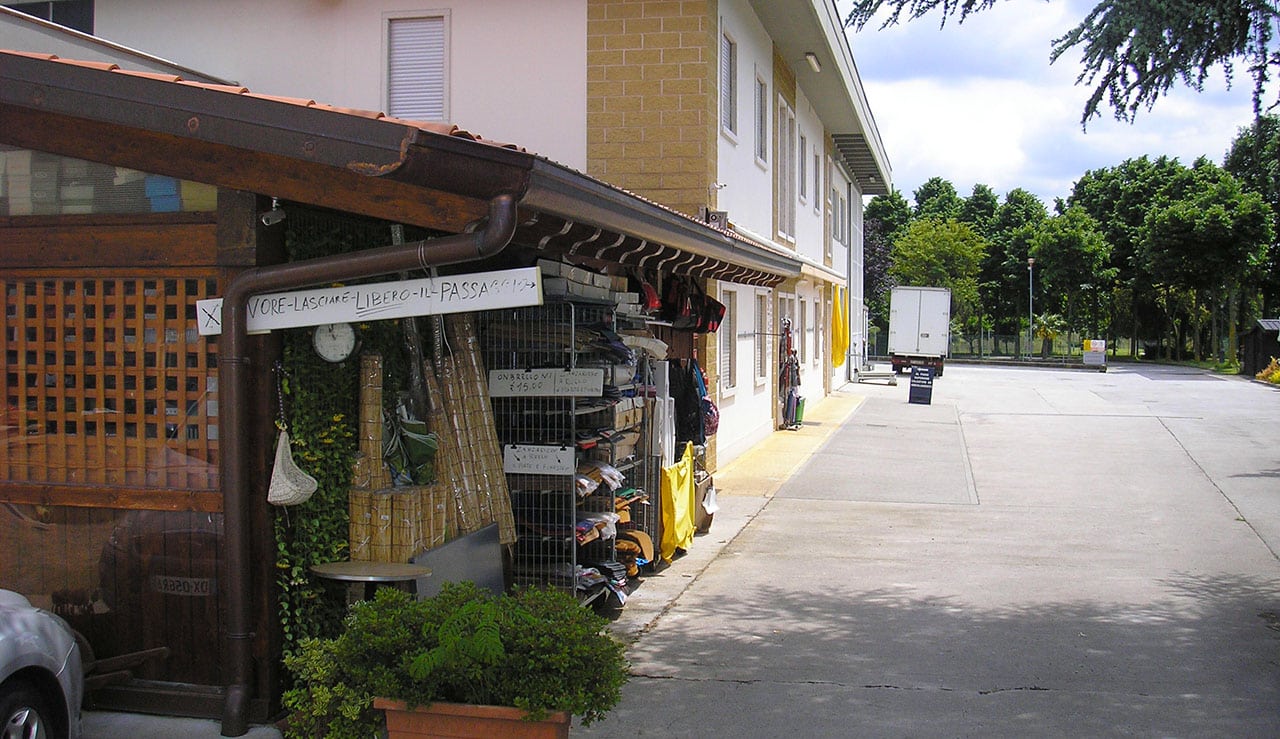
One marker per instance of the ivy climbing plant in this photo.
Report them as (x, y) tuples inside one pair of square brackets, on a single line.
[(321, 402)]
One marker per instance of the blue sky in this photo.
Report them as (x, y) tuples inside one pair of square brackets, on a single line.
[(979, 102)]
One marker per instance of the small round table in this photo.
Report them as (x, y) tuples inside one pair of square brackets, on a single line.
[(372, 574)]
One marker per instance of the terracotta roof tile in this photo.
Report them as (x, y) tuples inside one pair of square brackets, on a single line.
[(31, 54), (161, 76), (301, 102), (233, 89), (447, 129), (104, 66), (376, 115)]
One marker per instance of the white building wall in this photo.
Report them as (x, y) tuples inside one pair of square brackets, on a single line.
[(858, 338), (746, 411), (517, 69), (810, 208), (747, 194)]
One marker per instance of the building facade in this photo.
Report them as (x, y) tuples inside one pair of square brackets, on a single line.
[(716, 142), (748, 108)]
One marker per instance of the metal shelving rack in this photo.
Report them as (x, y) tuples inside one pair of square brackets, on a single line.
[(551, 504)]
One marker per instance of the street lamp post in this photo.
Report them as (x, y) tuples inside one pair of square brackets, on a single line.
[(1031, 306)]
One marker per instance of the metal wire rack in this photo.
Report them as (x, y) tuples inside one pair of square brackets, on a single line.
[(570, 417)]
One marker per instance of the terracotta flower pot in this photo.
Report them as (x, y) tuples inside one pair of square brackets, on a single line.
[(464, 720)]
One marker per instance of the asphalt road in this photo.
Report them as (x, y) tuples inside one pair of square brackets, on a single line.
[(1034, 553)]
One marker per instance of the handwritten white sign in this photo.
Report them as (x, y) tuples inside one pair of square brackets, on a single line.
[(479, 291), (508, 383), (538, 460)]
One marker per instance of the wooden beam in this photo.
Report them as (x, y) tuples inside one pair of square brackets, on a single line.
[(86, 245), (225, 166), (158, 499)]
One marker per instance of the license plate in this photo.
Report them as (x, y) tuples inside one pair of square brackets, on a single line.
[(199, 587)]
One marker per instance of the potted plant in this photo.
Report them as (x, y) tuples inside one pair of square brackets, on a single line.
[(533, 655)]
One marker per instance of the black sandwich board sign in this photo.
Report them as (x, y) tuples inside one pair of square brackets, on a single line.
[(921, 386)]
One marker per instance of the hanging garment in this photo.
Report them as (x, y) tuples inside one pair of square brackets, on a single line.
[(678, 499), (684, 390), (839, 330)]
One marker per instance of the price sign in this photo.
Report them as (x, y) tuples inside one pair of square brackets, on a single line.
[(538, 460), (543, 382)]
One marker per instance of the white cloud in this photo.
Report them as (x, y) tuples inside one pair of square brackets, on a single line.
[(979, 103)]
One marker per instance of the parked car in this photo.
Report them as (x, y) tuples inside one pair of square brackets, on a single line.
[(41, 674)]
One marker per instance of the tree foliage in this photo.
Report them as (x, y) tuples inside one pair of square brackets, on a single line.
[(1254, 159), (1072, 262), (1004, 289), (886, 218), (979, 210), (1134, 51), (936, 253), (937, 198)]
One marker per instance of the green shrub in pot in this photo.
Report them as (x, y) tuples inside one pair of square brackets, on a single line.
[(535, 649)]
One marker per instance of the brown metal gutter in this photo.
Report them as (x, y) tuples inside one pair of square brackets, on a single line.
[(233, 376)]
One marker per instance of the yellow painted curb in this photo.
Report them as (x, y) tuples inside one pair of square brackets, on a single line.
[(763, 468)]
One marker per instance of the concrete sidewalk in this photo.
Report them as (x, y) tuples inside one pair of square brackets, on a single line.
[(743, 487)]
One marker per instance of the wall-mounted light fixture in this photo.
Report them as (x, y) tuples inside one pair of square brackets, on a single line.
[(812, 58), (275, 215)]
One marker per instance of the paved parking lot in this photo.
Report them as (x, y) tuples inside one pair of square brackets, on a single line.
[(1036, 553)]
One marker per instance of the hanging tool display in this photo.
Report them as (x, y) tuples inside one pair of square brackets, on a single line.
[(789, 380)]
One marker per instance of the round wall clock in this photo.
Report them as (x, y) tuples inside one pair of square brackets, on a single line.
[(334, 342)]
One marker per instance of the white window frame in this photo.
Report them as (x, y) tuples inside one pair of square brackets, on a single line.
[(817, 180), (760, 344), (786, 159), (762, 108), (429, 32), (802, 320), (729, 86), (727, 336), (802, 177)]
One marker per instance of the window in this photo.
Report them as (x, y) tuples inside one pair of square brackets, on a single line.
[(786, 172), (727, 336), (804, 169), (728, 84), (837, 218), (417, 68), (762, 120), (761, 337), (817, 179), (75, 14), (802, 341), (842, 211)]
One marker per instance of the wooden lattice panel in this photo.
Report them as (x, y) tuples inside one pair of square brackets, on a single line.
[(107, 381)]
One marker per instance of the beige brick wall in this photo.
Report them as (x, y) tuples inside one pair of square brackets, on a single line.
[(651, 98)]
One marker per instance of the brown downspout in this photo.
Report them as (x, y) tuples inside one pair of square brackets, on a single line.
[(233, 376)]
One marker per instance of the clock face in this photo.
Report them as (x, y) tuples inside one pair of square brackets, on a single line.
[(334, 342)]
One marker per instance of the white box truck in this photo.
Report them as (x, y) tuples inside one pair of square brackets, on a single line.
[(919, 327)]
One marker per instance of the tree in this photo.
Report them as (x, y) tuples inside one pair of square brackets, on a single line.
[(892, 210), (1003, 280), (1254, 159), (1206, 242), (937, 198), (885, 218), (935, 253), (1134, 51), (1072, 263), (979, 210), (1119, 198)]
